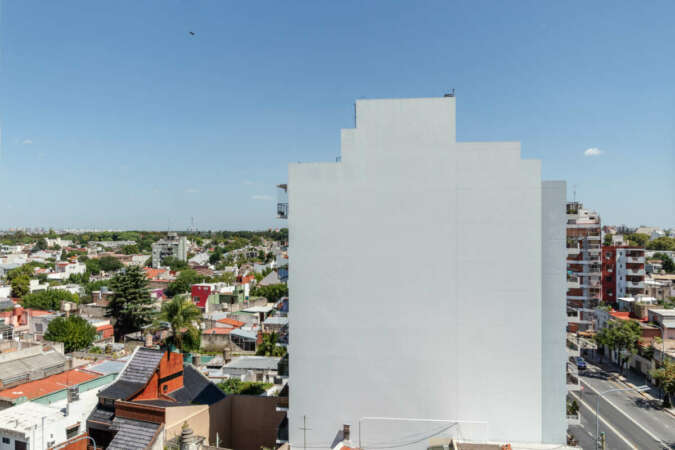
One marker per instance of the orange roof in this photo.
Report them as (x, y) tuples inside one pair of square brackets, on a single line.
[(233, 322), (153, 273), (38, 312), (217, 331), (107, 326), (45, 386), (623, 315)]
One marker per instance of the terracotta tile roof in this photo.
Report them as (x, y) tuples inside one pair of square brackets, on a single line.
[(37, 312), (623, 315), (153, 273), (217, 331), (45, 386), (229, 321)]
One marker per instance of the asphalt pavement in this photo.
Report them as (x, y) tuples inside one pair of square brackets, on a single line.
[(631, 421)]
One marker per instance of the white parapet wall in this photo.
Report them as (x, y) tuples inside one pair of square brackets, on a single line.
[(428, 284)]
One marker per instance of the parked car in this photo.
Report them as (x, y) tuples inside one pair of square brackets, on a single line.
[(581, 364)]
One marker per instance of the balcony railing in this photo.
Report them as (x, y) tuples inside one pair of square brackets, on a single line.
[(635, 272), (282, 210), (635, 260), (631, 284)]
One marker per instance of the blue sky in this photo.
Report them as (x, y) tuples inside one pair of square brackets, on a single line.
[(112, 115)]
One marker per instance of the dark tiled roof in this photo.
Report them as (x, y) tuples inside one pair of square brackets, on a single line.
[(101, 415), (121, 390), (142, 365), (132, 434), (197, 389), (136, 375)]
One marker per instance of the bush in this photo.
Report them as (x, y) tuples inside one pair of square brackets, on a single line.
[(236, 386), (272, 292), (75, 333), (48, 300)]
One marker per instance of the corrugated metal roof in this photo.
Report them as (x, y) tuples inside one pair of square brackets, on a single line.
[(13, 370), (254, 362)]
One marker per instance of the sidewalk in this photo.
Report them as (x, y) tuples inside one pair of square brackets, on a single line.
[(632, 380)]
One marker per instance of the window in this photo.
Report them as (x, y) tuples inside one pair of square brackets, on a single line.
[(72, 431), (38, 328), (5, 440), (165, 388)]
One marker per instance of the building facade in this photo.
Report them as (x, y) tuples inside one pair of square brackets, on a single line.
[(388, 332), (174, 246), (623, 273), (584, 268)]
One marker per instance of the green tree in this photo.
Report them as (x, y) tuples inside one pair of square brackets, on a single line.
[(41, 244), (26, 270), (666, 262), (638, 239), (269, 347), (272, 293), (130, 249), (75, 333), (110, 264), (183, 281), (183, 317), (20, 286), (665, 380), (174, 263), (662, 243), (93, 266), (620, 337), (49, 300), (236, 386), (130, 304), (607, 241)]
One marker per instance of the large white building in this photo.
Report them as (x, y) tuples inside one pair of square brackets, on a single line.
[(428, 287)]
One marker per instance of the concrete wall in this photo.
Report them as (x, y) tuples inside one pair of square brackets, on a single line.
[(417, 285), (197, 417), (252, 422)]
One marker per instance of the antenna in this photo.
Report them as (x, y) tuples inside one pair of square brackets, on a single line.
[(574, 193)]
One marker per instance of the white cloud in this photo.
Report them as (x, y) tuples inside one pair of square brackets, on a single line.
[(27, 142), (261, 197), (593, 151), (192, 190)]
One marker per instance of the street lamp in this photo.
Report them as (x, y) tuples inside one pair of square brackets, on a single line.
[(597, 407)]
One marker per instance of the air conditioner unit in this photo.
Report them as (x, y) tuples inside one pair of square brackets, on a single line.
[(73, 393)]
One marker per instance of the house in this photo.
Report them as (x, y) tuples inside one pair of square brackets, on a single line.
[(22, 362), (253, 368), (63, 270), (149, 402), (52, 388), (275, 324), (270, 278), (39, 426), (665, 320)]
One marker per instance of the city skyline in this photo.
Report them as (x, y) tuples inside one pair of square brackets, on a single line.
[(128, 121)]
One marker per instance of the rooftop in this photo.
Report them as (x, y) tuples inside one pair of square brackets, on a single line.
[(45, 386)]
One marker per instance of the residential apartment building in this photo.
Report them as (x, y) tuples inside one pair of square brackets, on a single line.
[(411, 347), (173, 245), (623, 272), (584, 268)]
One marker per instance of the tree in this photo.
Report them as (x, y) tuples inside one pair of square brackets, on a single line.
[(20, 286), (272, 293), (638, 239), (130, 304), (49, 300), (607, 240), (665, 379), (269, 346), (662, 243), (41, 244), (174, 263), (183, 281), (666, 262), (93, 266), (130, 249), (183, 317), (75, 333), (110, 264), (620, 337)]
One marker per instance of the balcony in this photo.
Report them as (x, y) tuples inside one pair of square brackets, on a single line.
[(572, 379), (634, 285), (635, 272), (573, 419), (573, 283), (282, 201), (635, 260), (573, 251)]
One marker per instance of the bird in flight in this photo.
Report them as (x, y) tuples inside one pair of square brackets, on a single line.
[(192, 33)]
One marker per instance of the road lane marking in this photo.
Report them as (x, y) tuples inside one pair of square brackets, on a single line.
[(602, 419), (649, 433)]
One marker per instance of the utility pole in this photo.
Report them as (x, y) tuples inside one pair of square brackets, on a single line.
[(304, 432)]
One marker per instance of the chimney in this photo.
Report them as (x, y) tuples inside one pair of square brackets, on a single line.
[(226, 355), (148, 340), (345, 432)]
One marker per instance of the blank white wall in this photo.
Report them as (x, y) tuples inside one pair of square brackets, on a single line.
[(417, 281)]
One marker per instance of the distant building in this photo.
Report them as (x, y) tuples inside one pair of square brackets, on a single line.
[(623, 272), (174, 246), (584, 268)]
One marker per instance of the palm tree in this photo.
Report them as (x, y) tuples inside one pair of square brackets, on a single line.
[(183, 317), (269, 346)]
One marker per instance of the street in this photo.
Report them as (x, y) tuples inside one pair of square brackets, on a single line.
[(629, 420)]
